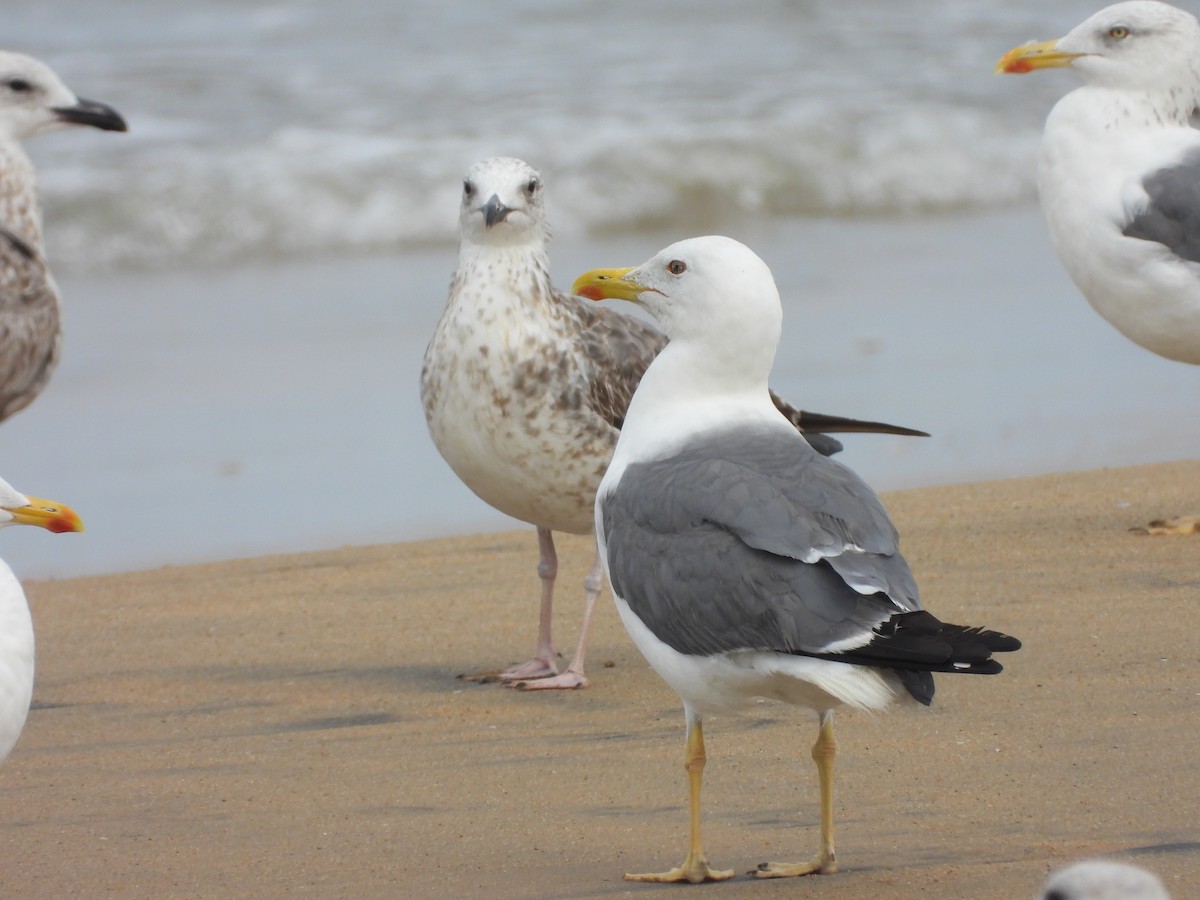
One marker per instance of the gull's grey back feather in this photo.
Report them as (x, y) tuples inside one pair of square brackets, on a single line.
[(753, 541), (1172, 217)]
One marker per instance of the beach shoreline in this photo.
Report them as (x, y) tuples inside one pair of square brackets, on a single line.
[(208, 415), (293, 724)]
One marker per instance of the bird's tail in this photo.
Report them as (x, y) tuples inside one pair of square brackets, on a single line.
[(917, 644)]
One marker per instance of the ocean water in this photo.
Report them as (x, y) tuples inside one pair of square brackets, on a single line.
[(250, 276), (311, 127)]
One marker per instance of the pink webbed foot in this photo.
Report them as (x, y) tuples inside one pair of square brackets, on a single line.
[(568, 681), (535, 668)]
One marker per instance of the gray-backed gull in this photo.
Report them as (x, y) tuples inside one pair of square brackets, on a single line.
[(744, 564), (1119, 175)]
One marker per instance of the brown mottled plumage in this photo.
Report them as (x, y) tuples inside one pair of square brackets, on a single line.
[(32, 100), (29, 324), (525, 387)]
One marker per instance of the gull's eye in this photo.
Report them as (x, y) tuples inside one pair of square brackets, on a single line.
[(468, 190), (20, 85), (532, 186), (1119, 32), (677, 267)]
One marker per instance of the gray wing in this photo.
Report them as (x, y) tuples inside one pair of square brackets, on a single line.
[(1172, 217), (30, 336), (753, 541)]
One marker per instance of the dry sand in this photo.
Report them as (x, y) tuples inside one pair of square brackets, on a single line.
[(293, 725)]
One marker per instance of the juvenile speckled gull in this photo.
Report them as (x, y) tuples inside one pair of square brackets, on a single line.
[(525, 388), (1119, 174), (16, 625), (32, 100), (744, 564)]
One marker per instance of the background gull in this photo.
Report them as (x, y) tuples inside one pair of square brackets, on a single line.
[(1103, 879), (525, 388), (1119, 174), (32, 100), (16, 625), (744, 564)]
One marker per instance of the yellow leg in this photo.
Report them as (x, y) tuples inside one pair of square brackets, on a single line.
[(825, 862), (695, 868)]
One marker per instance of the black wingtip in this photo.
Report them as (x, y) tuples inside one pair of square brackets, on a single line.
[(823, 423), (916, 644)]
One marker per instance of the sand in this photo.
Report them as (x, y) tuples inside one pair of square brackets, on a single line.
[(293, 724)]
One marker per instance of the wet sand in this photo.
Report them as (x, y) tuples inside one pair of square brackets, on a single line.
[(293, 724)]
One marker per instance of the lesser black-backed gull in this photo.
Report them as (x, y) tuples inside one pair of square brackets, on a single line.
[(743, 563)]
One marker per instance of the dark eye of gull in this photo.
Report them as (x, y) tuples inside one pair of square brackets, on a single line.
[(468, 190), (20, 85), (677, 267), (532, 186)]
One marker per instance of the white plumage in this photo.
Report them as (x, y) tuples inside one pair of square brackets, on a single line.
[(16, 625), (1106, 148), (1102, 879), (1119, 175)]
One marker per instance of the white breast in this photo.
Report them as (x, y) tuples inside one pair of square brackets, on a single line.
[(16, 659)]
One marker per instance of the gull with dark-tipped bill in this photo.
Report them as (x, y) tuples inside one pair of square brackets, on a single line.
[(525, 387), (33, 100)]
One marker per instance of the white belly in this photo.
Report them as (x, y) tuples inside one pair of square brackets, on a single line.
[(16, 660), (730, 682)]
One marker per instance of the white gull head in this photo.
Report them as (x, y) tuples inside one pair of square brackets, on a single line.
[(1102, 879), (709, 290), (34, 100), (1138, 45), (718, 303), (502, 204)]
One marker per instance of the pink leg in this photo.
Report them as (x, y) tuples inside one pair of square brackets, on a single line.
[(542, 665), (573, 677)]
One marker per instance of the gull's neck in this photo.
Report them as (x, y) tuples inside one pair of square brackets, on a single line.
[(1101, 110), (20, 209), (522, 266), (690, 388)]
